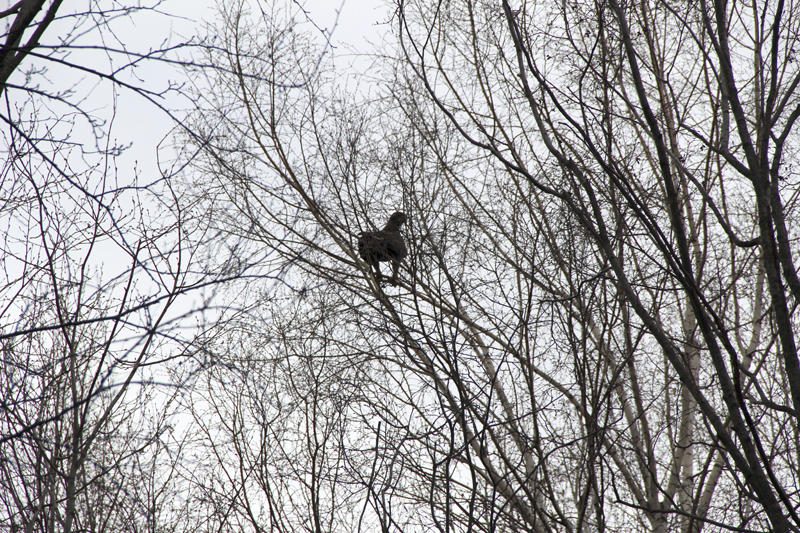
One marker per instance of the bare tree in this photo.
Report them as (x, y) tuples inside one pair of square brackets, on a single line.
[(594, 329), (666, 150), (96, 257)]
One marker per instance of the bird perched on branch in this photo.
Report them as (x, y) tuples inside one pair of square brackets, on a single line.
[(384, 245)]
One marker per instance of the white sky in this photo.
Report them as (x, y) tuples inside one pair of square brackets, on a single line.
[(358, 28)]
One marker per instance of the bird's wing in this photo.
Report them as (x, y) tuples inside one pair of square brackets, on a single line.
[(396, 246), (369, 243)]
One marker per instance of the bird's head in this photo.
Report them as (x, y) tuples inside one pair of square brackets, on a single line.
[(398, 218)]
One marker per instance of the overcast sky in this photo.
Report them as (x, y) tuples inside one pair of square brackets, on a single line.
[(356, 28)]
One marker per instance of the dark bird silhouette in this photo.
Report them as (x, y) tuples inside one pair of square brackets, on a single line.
[(384, 245)]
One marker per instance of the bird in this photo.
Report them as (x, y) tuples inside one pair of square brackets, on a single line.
[(384, 245)]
